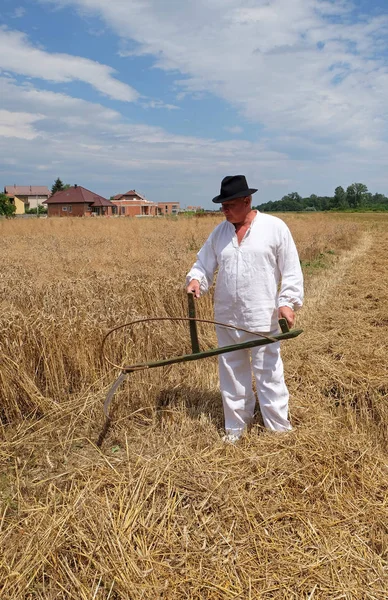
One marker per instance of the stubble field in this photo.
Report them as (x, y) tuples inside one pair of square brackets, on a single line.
[(163, 509)]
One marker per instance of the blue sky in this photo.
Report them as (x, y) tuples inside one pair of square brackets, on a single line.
[(169, 97)]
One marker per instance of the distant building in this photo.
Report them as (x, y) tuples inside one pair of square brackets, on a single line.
[(133, 204), (20, 208), (194, 208), (168, 208), (25, 197), (77, 201)]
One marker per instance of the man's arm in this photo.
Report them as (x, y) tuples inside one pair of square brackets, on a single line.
[(291, 289), (200, 276)]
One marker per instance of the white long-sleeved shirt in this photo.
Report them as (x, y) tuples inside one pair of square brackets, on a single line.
[(255, 277)]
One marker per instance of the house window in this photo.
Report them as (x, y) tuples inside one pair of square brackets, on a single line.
[(70, 209), (123, 210), (64, 208), (174, 209), (166, 209)]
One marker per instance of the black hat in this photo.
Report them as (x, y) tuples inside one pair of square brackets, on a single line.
[(233, 186)]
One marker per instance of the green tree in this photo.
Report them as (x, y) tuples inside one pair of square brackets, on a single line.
[(380, 200), (325, 202), (340, 199), (42, 210), (292, 202), (7, 209), (355, 194), (313, 201), (57, 186)]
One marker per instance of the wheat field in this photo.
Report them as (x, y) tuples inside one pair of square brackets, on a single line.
[(163, 509)]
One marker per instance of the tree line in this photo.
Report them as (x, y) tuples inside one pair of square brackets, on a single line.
[(356, 197)]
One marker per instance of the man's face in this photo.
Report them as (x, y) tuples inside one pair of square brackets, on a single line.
[(236, 210)]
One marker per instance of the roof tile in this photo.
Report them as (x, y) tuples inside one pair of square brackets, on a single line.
[(27, 190), (78, 195)]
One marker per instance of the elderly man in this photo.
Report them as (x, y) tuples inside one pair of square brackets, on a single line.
[(259, 280)]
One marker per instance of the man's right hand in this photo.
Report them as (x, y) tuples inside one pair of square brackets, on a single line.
[(193, 288)]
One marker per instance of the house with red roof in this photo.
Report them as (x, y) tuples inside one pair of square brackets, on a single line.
[(77, 201), (133, 204)]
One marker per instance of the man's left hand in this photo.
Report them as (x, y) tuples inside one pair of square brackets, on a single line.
[(288, 314)]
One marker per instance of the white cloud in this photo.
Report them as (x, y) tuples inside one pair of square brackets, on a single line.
[(234, 129), (86, 143), (18, 124), (18, 12), (19, 56), (289, 66), (159, 104), (307, 71), (96, 32), (95, 146)]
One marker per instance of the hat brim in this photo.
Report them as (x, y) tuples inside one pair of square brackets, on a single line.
[(219, 199)]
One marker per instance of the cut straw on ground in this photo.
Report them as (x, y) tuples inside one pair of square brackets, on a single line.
[(163, 509)]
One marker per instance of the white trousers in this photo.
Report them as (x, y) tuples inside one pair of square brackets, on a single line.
[(235, 371)]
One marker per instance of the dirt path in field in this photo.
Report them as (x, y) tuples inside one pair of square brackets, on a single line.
[(353, 294), (342, 352), (324, 288)]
